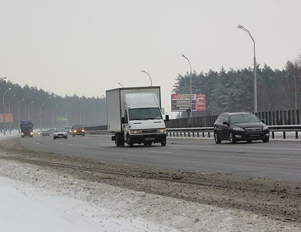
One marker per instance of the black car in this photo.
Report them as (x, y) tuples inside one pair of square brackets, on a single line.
[(78, 130), (240, 126)]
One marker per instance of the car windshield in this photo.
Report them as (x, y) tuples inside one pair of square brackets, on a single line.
[(145, 114), (78, 127), (243, 118)]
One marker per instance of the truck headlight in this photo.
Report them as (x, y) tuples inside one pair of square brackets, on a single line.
[(163, 130), (136, 132)]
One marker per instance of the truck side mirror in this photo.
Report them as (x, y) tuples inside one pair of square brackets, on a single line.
[(123, 120), (166, 118)]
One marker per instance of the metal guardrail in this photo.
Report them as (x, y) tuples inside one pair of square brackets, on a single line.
[(284, 132), (207, 132)]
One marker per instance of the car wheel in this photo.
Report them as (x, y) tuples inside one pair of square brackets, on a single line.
[(163, 143), (66, 137), (232, 138), (266, 140), (249, 141), (217, 139)]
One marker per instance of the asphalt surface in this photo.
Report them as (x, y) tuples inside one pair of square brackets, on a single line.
[(278, 159)]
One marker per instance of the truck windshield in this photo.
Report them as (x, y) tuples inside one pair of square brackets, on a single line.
[(145, 114)]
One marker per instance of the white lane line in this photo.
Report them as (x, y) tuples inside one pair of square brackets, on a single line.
[(165, 152), (238, 146), (290, 159)]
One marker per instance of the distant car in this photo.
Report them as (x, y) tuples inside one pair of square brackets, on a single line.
[(78, 130), (45, 133), (240, 126), (68, 129), (60, 134)]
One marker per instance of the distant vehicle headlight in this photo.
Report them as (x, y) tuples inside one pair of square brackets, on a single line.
[(237, 129), (265, 127)]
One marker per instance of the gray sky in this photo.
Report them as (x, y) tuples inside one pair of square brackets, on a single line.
[(89, 46)]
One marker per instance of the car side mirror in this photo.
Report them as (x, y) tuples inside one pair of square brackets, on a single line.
[(225, 123), (262, 120)]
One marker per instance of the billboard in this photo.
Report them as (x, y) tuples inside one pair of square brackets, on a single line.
[(181, 102), (8, 118)]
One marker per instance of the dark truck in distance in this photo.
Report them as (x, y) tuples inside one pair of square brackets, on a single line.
[(26, 127)]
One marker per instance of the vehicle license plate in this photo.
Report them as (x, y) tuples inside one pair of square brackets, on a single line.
[(150, 138)]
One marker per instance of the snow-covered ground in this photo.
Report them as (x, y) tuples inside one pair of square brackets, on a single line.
[(36, 200)]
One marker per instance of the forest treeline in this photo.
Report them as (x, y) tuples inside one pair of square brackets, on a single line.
[(48, 110), (233, 90)]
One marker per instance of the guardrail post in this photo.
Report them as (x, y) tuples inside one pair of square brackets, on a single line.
[(203, 134), (296, 135), (273, 135), (284, 135), (208, 134)]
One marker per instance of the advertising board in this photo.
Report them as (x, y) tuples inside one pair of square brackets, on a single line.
[(181, 102)]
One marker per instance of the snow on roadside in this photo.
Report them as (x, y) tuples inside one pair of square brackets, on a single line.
[(33, 199)]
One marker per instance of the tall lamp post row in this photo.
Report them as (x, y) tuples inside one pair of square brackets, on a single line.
[(255, 77), (4, 119), (9, 111)]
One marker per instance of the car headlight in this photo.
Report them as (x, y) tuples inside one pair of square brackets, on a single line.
[(237, 129), (136, 132), (265, 127), (162, 130)]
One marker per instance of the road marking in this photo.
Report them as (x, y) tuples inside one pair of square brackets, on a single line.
[(165, 152), (290, 159), (238, 146)]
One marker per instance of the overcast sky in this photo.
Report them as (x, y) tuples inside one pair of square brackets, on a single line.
[(89, 46)]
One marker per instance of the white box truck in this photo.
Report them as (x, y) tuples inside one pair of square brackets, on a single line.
[(134, 116)]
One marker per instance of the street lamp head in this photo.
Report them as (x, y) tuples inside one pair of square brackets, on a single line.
[(183, 56), (143, 71), (240, 27)]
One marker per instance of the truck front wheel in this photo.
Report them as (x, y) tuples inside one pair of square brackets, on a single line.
[(119, 140), (163, 143)]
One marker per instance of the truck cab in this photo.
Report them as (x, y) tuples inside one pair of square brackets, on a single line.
[(26, 127)]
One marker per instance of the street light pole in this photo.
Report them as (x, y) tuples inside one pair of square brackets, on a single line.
[(53, 114), (255, 77), (19, 110), (190, 85), (121, 85), (29, 111), (148, 76), (41, 116), (4, 132), (9, 123)]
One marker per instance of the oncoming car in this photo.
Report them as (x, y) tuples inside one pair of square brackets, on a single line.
[(240, 126), (60, 134), (78, 130)]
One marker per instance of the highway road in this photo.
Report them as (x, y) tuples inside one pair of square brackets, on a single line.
[(278, 159)]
